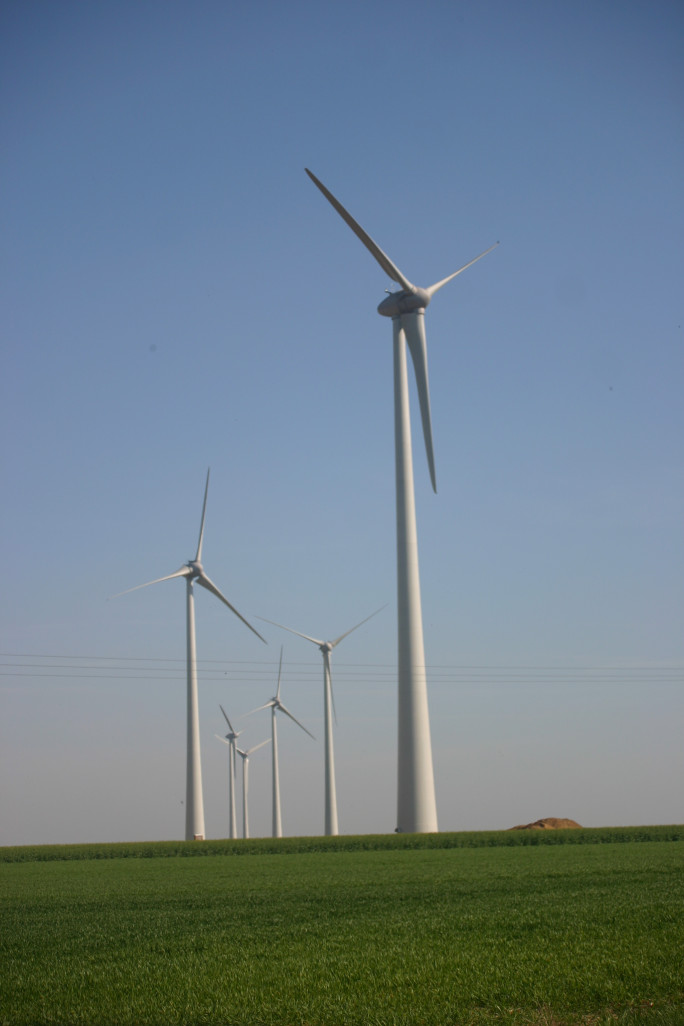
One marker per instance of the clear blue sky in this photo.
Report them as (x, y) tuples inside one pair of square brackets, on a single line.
[(177, 294)]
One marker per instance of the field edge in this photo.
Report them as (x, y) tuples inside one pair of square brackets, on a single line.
[(345, 843)]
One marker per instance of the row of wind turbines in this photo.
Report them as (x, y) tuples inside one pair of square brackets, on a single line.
[(233, 751), (416, 805), (276, 706)]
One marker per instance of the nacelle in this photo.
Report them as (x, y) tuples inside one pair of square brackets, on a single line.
[(403, 302)]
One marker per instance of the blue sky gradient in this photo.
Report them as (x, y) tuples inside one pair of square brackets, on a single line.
[(178, 295)]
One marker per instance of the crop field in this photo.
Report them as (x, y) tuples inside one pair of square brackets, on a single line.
[(445, 929)]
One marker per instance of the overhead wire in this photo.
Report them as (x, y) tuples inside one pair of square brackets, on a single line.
[(148, 668)]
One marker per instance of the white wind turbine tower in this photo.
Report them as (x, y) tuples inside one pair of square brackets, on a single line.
[(275, 705), (230, 739), (416, 806), (245, 783), (326, 647), (194, 571)]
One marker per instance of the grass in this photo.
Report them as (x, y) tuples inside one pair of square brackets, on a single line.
[(363, 842), (547, 933)]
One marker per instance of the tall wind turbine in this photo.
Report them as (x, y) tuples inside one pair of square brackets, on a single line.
[(275, 705), (245, 783), (230, 739), (194, 571), (326, 647), (416, 806)]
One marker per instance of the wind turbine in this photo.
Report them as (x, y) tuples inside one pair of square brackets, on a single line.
[(230, 740), (416, 806), (245, 766), (194, 571), (326, 647), (275, 705)]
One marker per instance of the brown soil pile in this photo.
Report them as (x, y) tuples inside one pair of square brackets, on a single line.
[(550, 824)]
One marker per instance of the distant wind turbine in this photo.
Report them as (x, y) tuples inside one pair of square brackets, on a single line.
[(275, 705), (194, 571), (245, 784), (326, 647), (416, 806), (230, 739)]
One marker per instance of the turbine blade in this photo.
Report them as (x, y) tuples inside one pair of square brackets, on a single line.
[(254, 749), (210, 586), (198, 557), (332, 694), (342, 636), (222, 739), (280, 667), (295, 720), (414, 329), (387, 265), (225, 716), (267, 705), (184, 571), (306, 637), (438, 285)]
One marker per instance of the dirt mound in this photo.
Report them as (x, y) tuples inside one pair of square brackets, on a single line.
[(550, 824)]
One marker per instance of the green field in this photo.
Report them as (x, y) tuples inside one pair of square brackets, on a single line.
[(447, 929)]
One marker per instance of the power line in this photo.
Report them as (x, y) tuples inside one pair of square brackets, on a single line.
[(274, 662), (250, 672)]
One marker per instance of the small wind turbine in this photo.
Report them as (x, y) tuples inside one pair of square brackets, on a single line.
[(230, 740), (274, 704), (326, 647), (416, 806), (245, 766), (194, 571)]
